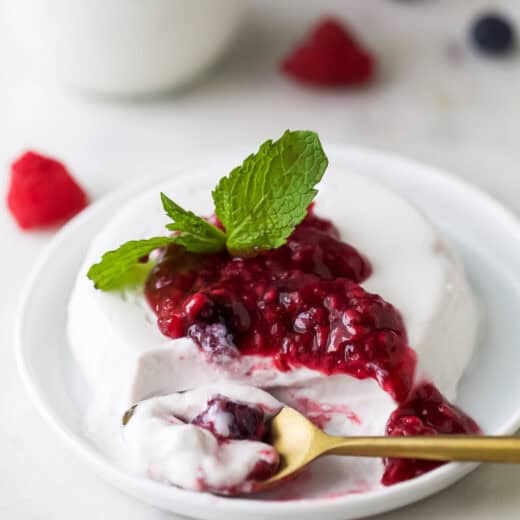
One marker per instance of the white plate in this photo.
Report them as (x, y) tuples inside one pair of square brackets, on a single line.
[(488, 240)]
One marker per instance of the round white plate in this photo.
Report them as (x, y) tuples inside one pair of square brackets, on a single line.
[(485, 235)]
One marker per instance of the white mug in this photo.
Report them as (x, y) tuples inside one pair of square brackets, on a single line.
[(125, 47)]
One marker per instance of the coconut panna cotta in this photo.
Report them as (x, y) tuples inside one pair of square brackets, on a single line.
[(348, 307)]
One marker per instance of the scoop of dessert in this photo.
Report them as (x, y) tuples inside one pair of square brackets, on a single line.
[(207, 439)]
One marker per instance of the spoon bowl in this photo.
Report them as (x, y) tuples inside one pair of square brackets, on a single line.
[(297, 441)]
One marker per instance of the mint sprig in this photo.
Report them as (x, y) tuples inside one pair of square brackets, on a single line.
[(259, 203)]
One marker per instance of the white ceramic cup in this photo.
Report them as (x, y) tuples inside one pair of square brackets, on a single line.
[(122, 47)]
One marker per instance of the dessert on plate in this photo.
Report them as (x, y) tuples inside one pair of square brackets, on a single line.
[(347, 306)]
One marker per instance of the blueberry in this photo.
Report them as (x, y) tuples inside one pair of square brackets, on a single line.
[(493, 34)]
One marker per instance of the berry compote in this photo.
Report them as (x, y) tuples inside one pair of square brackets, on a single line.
[(301, 305), (425, 412)]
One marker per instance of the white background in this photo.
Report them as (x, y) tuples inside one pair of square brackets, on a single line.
[(435, 100)]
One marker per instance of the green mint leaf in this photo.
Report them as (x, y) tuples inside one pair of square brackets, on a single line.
[(261, 202), (195, 234), (121, 267)]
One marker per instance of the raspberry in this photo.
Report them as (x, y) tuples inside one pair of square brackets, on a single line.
[(330, 57), (42, 192)]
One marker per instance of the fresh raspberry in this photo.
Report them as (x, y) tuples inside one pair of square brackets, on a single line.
[(42, 192), (330, 57)]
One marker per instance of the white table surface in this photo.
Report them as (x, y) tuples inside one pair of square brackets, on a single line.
[(462, 114)]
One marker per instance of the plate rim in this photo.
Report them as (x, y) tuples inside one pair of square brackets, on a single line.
[(372, 502)]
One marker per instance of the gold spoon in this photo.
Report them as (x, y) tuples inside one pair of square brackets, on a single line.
[(299, 442)]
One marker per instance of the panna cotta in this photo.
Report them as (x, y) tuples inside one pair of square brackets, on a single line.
[(363, 321)]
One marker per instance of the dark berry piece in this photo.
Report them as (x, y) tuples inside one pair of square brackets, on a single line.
[(231, 420), (42, 192), (263, 470), (214, 339), (493, 34)]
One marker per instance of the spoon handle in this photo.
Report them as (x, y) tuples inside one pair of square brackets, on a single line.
[(476, 448)]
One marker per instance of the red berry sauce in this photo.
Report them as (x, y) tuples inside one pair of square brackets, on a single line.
[(426, 412), (301, 305)]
